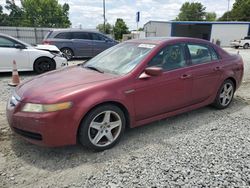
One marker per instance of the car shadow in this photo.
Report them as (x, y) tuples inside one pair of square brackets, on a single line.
[(53, 159), (23, 73)]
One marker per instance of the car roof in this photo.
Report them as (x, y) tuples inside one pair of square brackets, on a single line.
[(161, 40), (74, 30)]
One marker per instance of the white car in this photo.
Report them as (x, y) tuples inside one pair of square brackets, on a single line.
[(39, 58), (245, 43)]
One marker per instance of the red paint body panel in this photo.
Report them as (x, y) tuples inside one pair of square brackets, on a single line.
[(145, 100)]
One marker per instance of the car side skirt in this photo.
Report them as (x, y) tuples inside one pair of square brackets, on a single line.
[(176, 112)]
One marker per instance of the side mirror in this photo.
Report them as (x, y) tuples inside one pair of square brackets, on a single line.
[(151, 71), (19, 46)]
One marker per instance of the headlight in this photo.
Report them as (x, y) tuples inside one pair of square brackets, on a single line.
[(31, 107), (58, 54)]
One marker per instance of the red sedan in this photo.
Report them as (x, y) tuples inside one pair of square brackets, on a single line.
[(128, 85)]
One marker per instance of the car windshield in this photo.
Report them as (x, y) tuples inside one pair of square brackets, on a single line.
[(120, 59)]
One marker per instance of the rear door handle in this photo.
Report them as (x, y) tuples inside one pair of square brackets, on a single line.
[(217, 68), (186, 76)]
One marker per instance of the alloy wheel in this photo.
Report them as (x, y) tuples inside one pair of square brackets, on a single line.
[(226, 94), (105, 128)]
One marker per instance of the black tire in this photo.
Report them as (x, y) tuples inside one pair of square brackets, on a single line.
[(96, 139), (67, 53), (44, 64), (246, 46), (222, 95), (236, 47)]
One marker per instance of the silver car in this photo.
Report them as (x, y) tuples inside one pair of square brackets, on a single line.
[(78, 42)]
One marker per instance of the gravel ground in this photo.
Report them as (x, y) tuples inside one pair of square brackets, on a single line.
[(202, 148)]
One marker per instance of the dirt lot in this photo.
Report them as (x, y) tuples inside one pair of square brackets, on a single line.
[(205, 147)]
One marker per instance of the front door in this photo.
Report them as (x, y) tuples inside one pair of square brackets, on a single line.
[(100, 43), (9, 53), (167, 92)]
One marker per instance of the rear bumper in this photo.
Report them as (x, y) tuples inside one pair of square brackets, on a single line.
[(235, 44)]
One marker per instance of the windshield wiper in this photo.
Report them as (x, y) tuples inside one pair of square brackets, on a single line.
[(94, 68)]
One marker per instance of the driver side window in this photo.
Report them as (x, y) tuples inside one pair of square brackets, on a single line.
[(169, 58), (5, 42)]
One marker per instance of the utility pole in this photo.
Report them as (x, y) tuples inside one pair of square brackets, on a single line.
[(228, 7), (104, 19)]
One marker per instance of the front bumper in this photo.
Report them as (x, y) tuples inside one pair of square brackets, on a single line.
[(60, 61), (45, 129)]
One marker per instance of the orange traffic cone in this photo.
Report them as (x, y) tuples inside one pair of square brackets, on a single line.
[(15, 76)]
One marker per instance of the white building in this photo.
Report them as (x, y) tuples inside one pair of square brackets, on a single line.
[(212, 31)]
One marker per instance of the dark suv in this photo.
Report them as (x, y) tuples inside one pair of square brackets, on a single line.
[(78, 43)]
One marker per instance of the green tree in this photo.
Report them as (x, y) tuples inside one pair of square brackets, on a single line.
[(108, 28), (45, 13), (3, 17), (227, 16), (16, 14), (241, 10), (210, 16), (192, 12), (120, 28)]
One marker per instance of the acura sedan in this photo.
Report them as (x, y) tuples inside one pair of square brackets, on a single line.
[(40, 58), (128, 85)]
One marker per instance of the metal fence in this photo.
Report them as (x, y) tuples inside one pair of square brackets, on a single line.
[(27, 34)]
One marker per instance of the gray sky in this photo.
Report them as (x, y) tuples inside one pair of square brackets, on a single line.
[(89, 13)]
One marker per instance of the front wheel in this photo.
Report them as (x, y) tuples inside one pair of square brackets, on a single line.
[(44, 64), (225, 95), (102, 128), (246, 46)]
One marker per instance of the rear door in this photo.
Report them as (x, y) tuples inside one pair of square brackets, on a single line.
[(83, 45), (206, 71), (8, 53), (100, 43)]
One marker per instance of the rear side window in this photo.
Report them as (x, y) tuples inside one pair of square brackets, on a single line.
[(213, 54), (201, 53), (81, 35), (63, 36)]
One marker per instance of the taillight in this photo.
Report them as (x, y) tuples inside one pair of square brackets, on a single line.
[(47, 42)]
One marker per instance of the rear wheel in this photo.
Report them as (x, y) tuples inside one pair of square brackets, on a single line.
[(68, 53), (44, 64), (246, 46), (225, 95), (102, 128)]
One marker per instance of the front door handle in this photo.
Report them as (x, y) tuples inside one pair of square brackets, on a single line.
[(186, 76)]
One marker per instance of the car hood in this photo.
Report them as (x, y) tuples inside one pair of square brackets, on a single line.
[(50, 48), (66, 80)]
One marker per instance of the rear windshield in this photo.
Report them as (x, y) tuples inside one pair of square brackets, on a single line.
[(48, 35), (247, 38)]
